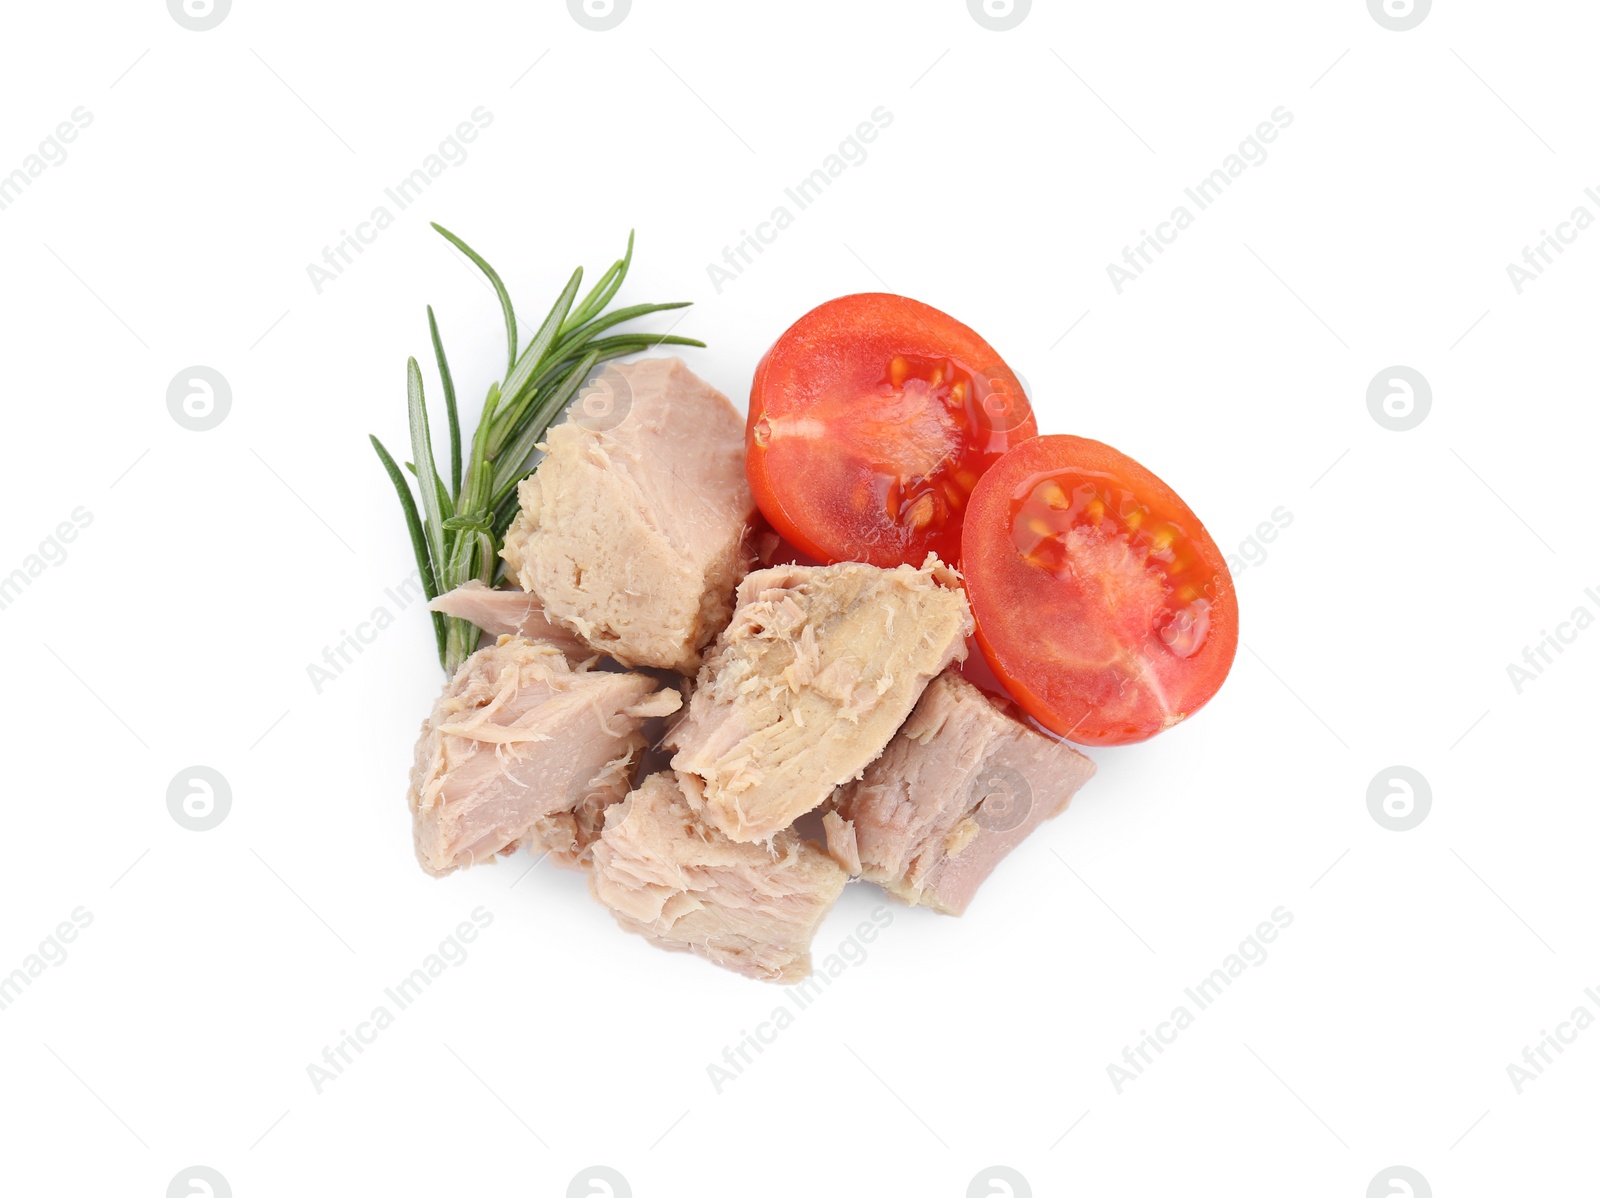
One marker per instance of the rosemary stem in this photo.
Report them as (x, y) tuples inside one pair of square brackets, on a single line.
[(457, 522)]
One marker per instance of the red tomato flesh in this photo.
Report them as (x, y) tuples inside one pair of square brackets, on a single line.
[(1103, 605), (871, 420)]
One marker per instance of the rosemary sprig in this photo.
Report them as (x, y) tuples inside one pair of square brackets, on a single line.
[(457, 525)]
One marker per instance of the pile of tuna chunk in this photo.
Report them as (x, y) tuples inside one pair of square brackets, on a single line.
[(642, 627)]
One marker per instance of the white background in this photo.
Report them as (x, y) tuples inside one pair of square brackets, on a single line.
[(1377, 630)]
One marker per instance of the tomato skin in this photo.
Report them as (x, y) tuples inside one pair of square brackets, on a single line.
[(871, 419), (1102, 603)]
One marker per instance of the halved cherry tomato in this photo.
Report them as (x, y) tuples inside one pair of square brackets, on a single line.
[(1103, 605), (871, 420)]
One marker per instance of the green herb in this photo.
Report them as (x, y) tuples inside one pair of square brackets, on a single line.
[(461, 523)]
